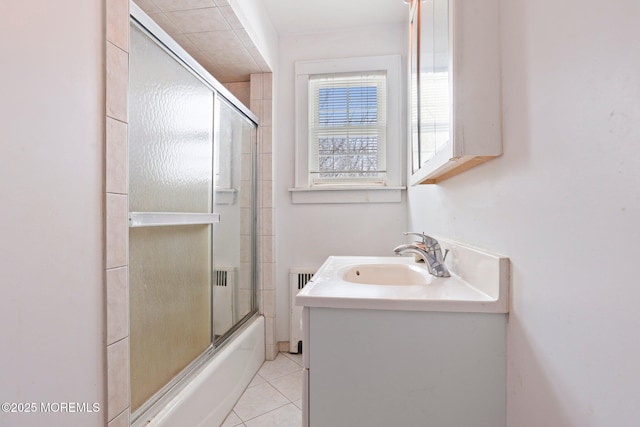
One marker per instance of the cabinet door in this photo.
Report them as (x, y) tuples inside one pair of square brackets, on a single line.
[(431, 106), (455, 87)]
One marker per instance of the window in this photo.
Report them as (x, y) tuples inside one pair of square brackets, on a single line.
[(347, 128), (349, 131)]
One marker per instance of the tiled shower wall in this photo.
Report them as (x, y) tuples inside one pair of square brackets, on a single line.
[(117, 232), (116, 212), (261, 105)]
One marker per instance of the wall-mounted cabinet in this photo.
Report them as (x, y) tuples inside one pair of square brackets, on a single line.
[(454, 87)]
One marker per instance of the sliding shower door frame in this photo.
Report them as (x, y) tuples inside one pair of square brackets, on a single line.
[(147, 219), (148, 26)]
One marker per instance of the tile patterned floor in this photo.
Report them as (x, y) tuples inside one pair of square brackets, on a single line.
[(274, 397)]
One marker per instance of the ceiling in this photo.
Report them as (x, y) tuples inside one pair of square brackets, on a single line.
[(310, 16), (210, 31)]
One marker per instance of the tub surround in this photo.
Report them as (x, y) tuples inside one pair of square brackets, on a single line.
[(116, 213)]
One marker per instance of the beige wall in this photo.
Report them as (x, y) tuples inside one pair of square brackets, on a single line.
[(51, 208)]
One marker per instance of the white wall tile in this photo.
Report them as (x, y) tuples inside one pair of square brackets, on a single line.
[(231, 17), (265, 118), (271, 350), (118, 23), (117, 231), (267, 194), (256, 107), (241, 91), (269, 309), (266, 218), (267, 86), (199, 20), (117, 78), (117, 378), (267, 248), (256, 86), (148, 6), (117, 304), (266, 143), (116, 156), (121, 420), (223, 41), (269, 325), (268, 282), (174, 5), (266, 173), (244, 37), (166, 24), (186, 43)]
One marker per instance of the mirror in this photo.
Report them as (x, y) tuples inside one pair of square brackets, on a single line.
[(430, 80)]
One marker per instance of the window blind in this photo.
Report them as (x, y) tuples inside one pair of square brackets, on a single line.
[(347, 128), (434, 113)]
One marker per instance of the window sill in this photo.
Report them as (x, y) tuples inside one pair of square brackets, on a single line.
[(346, 194)]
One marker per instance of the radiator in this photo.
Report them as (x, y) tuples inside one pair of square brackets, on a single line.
[(223, 302), (298, 277)]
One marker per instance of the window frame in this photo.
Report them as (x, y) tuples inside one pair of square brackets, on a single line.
[(378, 128), (350, 191)]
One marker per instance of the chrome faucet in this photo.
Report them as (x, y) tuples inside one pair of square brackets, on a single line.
[(431, 254)]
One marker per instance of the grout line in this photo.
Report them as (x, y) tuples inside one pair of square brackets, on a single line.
[(122, 412), (282, 394), (287, 355), (118, 340), (289, 401), (264, 413), (274, 409)]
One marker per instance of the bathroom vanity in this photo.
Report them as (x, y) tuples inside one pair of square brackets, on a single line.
[(385, 343)]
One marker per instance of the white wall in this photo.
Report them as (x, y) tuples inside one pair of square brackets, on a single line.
[(564, 204), (51, 174), (306, 234)]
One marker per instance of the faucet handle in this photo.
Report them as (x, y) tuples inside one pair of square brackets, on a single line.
[(428, 241)]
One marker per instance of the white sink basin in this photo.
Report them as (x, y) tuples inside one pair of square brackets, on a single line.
[(386, 274), (479, 282)]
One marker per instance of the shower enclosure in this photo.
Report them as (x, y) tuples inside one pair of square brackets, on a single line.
[(192, 217)]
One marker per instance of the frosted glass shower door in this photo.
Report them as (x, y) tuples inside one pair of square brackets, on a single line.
[(170, 172), (234, 181)]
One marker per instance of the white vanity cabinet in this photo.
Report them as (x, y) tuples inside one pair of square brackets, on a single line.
[(381, 368), (382, 348), (455, 91)]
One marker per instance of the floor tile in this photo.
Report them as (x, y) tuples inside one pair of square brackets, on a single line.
[(257, 380), (286, 416), (296, 357), (232, 420), (278, 367), (257, 400), (290, 385)]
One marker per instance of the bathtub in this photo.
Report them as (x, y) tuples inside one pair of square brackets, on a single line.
[(212, 394)]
